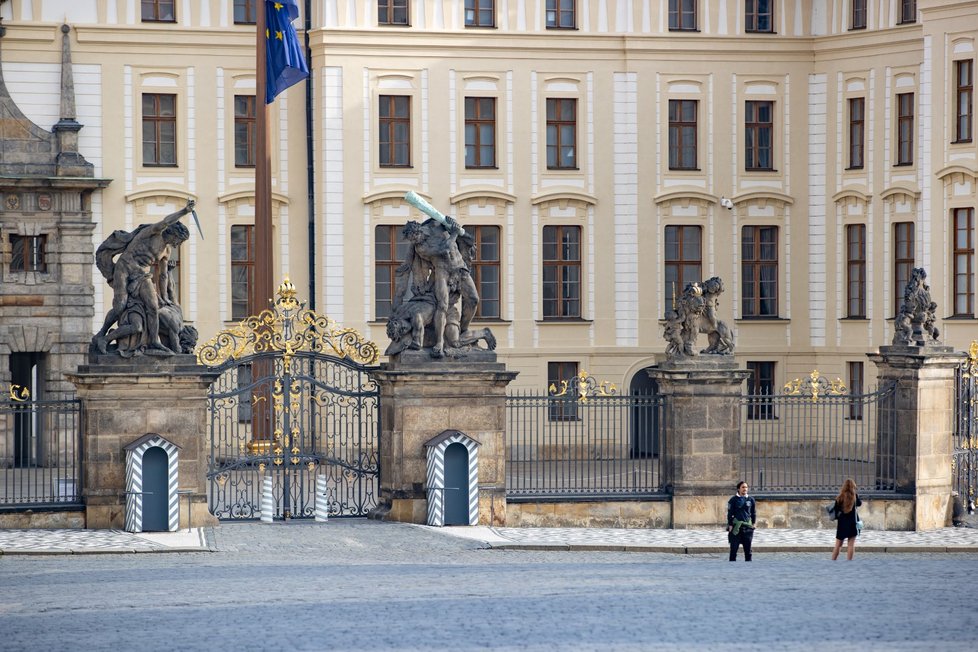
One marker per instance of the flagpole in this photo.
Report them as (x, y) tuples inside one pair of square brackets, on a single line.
[(264, 281)]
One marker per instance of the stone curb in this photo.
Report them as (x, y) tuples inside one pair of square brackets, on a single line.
[(42, 552), (697, 550)]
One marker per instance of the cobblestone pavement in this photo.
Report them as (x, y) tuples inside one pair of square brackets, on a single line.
[(961, 539), (363, 585)]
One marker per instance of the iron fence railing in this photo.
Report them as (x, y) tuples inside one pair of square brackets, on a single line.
[(965, 461), (599, 446), (800, 443), (40, 453)]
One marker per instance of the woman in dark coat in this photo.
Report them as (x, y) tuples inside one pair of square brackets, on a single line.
[(845, 513), (741, 517)]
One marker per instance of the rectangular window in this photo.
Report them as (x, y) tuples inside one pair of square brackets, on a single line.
[(561, 134), (908, 11), (760, 388), (563, 408), (759, 264), (858, 14), (27, 253), (856, 270), (395, 131), (682, 15), (485, 269), (905, 129), (964, 262), (682, 134), (964, 95), (759, 16), (857, 132), (903, 261), (392, 12), (759, 132), (856, 374), (683, 261), (244, 131), (561, 14), (390, 250), (158, 11), (245, 12), (480, 132), (561, 272), (159, 130), (480, 13), (242, 270)]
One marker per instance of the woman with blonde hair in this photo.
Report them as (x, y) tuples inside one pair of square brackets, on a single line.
[(846, 518)]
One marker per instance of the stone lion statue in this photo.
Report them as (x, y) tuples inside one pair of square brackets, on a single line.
[(916, 321), (695, 313)]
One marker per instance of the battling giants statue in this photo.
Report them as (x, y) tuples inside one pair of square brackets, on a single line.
[(145, 315), (435, 297), (916, 322), (695, 313)]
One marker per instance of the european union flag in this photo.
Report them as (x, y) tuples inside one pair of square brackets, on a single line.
[(285, 63)]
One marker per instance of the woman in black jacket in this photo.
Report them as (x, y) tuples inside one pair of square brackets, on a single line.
[(845, 513), (741, 516)]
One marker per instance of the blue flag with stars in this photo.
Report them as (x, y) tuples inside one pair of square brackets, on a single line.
[(285, 63)]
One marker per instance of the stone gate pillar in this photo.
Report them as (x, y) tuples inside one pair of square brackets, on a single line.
[(701, 450), (421, 398), (123, 400), (924, 406)]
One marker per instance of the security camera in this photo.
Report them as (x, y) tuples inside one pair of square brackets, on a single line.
[(726, 203)]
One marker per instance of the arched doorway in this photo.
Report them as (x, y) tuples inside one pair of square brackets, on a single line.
[(456, 484), (644, 440), (156, 516)]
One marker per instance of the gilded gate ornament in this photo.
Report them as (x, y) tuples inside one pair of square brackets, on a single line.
[(289, 329), (816, 385), (583, 386)]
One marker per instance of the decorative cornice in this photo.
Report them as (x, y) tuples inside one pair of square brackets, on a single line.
[(851, 193), (893, 191), (768, 195), (398, 194), (553, 195), (684, 193), (229, 197), (957, 168), (478, 193)]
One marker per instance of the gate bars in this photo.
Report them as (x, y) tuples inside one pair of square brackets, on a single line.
[(965, 461), (40, 451), (583, 440), (813, 436)]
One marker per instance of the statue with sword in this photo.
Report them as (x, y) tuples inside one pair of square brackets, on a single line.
[(136, 265)]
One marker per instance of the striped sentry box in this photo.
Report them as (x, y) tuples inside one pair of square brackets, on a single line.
[(436, 448), (134, 481)]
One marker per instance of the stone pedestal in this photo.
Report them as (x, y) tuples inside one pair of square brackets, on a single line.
[(702, 439), (924, 407), (124, 400), (421, 398)]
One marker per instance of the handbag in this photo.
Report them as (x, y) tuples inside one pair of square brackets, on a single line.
[(833, 515), (859, 522)]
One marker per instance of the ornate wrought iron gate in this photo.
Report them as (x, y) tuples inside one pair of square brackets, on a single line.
[(965, 463), (294, 401)]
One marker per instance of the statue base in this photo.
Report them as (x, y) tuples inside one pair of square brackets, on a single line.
[(421, 398), (125, 399)]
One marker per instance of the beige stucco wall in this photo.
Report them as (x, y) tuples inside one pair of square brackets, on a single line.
[(623, 67)]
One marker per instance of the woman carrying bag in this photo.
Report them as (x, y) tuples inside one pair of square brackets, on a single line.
[(847, 520)]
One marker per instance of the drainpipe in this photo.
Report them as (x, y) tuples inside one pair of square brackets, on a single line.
[(310, 168)]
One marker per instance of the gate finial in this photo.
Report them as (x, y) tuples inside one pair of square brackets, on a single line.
[(286, 327)]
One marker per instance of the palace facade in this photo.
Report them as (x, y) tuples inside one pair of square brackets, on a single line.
[(604, 152)]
